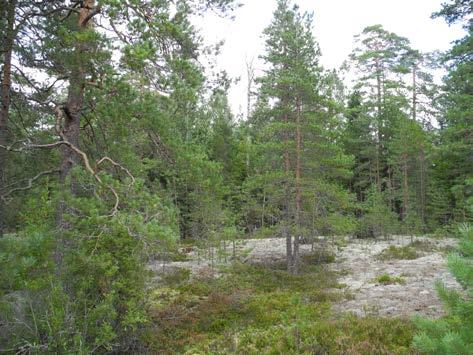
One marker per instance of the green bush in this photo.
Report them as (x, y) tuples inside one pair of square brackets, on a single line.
[(83, 289)]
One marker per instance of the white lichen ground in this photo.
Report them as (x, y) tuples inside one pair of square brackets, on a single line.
[(416, 295), (358, 266)]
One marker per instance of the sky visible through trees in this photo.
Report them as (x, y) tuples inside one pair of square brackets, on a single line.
[(333, 29)]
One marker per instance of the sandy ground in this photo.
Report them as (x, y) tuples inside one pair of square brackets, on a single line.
[(358, 266)]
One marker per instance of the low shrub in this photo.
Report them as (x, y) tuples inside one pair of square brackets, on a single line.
[(402, 253), (386, 279), (256, 309)]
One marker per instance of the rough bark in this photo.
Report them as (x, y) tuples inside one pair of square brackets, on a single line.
[(287, 192), (298, 185), (8, 14), (422, 184), (75, 101)]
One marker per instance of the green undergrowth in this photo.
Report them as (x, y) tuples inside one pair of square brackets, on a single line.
[(402, 253), (386, 279), (318, 256), (413, 250), (253, 309)]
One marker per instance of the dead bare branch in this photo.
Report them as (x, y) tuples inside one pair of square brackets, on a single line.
[(30, 183), (29, 146), (111, 161), (85, 159)]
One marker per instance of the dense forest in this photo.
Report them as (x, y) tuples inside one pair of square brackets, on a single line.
[(118, 148)]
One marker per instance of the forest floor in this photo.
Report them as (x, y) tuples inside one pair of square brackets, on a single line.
[(394, 277), (353, 296)]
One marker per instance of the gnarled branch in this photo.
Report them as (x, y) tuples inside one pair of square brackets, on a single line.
[(104, 159), (29, 183)]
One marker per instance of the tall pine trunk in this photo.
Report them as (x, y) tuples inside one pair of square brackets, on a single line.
[(298, 185), (422, 185), (8, 17), (287, 197), (379, 125), (75, 103), (422, 192), (414, 93)]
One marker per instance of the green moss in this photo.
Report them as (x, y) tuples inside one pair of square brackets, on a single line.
[(319, 256), (178, 256), (386, 279), (423, 245), (413, 250), (255, 309), (403, 253), (176, 276), (348, 334)]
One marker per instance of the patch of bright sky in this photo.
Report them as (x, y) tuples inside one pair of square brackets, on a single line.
[(335, 24)]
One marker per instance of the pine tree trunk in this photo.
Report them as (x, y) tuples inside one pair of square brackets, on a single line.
[(7, 49), (263, 209), (405, 187), (390, 188), (379, 125), (298, 185), (414, 93), (422, 185), (285, 231), (421, 152), (74, 104)]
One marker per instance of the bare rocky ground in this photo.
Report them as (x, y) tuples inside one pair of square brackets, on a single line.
[(359, 267), (416, 295)]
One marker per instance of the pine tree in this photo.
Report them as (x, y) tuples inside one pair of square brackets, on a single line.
[(453, 159), (377, 58), (136, 110), (397, 96), (300, 158), (7, 22)]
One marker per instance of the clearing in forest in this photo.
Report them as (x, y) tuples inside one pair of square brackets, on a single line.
[(389, 277)]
